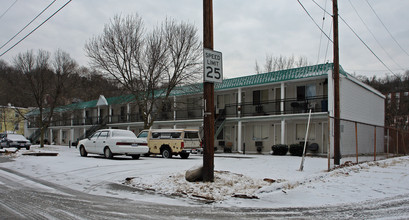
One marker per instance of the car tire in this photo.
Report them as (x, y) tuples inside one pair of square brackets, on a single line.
[(83, 152), (27, 148), (108, 153), (184, 155), (135, 157), (166, 153)]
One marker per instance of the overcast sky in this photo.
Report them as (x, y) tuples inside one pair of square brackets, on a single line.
[(244, 30)]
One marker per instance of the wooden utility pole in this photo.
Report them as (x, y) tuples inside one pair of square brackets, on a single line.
[(208, 95), (337, 135)]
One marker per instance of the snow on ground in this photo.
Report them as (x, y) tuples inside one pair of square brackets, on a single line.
[(159, 180)]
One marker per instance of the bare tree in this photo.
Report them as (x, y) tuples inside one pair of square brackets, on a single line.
[(282, 63), (257, 68), (148, 65), (46, 80)]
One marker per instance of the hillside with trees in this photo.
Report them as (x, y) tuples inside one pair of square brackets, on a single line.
[(83, 84)]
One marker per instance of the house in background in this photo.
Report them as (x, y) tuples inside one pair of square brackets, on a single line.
[(12, 119), (253, 112)]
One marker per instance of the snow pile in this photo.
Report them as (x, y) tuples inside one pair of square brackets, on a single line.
[(225, 185), (228, 184)]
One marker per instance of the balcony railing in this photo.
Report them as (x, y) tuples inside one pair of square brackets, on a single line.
[(291, 106)]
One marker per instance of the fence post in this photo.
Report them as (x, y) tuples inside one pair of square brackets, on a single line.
[(397, 142), (329, 144), (403, 143), (374, 152), (356, 141), (387, 143)]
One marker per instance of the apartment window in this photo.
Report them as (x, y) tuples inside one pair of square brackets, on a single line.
[(260, 132), (305, 92), (260, 96), (311, 91), (301, 129), (300, 93)]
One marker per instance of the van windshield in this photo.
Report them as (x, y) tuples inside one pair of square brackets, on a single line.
[(191, 134)]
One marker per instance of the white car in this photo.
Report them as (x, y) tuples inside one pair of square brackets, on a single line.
[(110, 142)]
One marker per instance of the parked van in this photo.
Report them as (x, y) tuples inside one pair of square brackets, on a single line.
[(169, 142)]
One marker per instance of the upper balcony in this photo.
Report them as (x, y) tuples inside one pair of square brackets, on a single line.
[(248, 109), (291, 106)]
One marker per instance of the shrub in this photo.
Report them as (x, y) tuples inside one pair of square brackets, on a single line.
[(296, 149), (279, 149)]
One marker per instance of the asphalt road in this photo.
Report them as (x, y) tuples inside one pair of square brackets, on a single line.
[(25, 197)]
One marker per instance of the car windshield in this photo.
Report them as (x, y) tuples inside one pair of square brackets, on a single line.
[(123, 133), (16, 137)]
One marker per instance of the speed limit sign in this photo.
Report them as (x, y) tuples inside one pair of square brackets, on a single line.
[(213, 66)]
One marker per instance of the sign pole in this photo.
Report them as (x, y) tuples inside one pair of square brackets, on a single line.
[(208, 95)]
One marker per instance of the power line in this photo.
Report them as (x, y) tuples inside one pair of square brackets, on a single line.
[(366, 45), (35, 28), (373, 35), (27, 24), (387, 28), (358, 38), (314, 20), (1, 16), (322, 27), (326, 51)]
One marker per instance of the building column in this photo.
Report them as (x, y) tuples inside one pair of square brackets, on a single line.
[(239, 124), (51, 136), (283, 140), (60, 137), (128, 111), (282, 97), (174, 112), (110, 111), (84, 115), (98, 115), (239, 136), (71, 136), (282, 109)]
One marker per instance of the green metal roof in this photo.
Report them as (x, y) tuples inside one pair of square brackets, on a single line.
[(277, 76), (260, 79), (251, 80)]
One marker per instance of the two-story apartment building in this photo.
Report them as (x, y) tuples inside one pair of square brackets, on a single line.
[(252, 112)]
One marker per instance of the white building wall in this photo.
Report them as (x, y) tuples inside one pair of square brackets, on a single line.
[(360, 104)]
